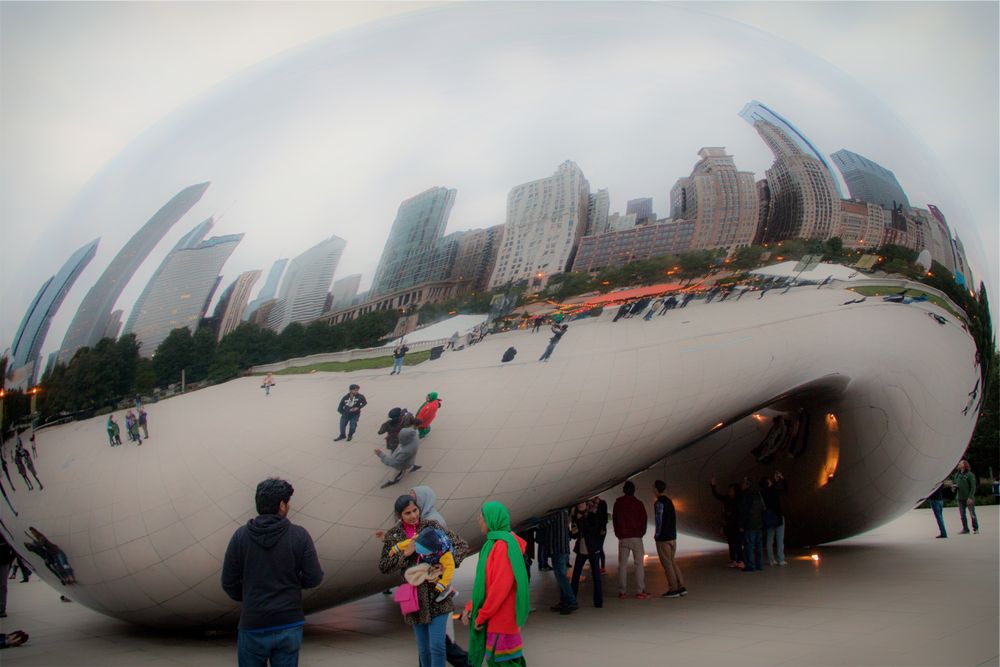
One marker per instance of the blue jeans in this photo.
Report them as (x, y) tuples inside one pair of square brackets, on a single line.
[(351, 419), (280, 647), (775, 540), (937, 506), (397, 364), (559, 564), (430, 641), (595, 573), (753, 540)]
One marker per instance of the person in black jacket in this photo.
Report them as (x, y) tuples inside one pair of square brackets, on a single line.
[(558, 331), (774, 518), (350, 411), (585, 526), (268, 562), (731, 522), (751, 525)]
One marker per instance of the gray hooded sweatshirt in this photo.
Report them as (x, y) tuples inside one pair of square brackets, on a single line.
[(427, 501), (403, 456)]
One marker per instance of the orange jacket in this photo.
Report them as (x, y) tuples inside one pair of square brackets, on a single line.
[(427, 413), (499, 608)]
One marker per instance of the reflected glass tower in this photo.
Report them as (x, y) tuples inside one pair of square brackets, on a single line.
[(304, 288), (91, 319), (413, 253), (869, 181), (269, 289), (31, 334), (179, 293)]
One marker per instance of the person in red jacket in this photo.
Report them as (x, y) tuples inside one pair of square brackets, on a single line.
[(500, 595), (629, 518), (427, 412)]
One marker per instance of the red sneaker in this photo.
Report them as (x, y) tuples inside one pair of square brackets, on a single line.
[(641, 595), (622, 596)]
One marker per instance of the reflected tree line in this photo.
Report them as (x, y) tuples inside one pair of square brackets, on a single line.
[(97, 378)]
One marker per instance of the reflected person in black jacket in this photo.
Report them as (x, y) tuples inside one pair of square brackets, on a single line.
[(268, 563), (731, 522)]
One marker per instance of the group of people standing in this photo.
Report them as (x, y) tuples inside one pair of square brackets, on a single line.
[(269, 561), (24, 463), (402, 430), (753, 521), (133, 423), (963, 485)]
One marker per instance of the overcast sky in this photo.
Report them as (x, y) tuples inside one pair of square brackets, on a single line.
[(107, 110)]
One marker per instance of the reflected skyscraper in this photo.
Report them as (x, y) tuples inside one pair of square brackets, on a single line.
[(721, 201), (413, 252), (804, 201), (306, 282), (269, 289), (229, 312), (91, 319), (181, 289), (344, 291), (545, 218), (598, 206), (869, 181), (30, 336), (757, 111), (642, 208)]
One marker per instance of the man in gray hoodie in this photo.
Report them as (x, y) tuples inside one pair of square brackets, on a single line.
[(403, 456)]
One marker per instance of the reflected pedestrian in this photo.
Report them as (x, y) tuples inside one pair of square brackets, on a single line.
[(585, 528), (34, 452), (403, 458), (6, 558), (398, 355), (751, 525), (398, 419), (6, 470), (268, 383), (350, 411), (143, 422), (23, 454), (427, 412), (774, 518), (558, 331)]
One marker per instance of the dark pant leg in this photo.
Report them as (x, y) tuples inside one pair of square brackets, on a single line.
[(559, 563), (578, 564), (598, 578), (344, 419), (353, 421), (937, 506), (250, 650), (4, 570)]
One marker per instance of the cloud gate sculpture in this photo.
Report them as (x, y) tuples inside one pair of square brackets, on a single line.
[(872, 395)]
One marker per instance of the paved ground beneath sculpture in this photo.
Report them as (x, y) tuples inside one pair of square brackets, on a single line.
[(894, 596)]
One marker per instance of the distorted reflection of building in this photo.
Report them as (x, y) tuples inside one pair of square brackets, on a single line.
[(269, 290), (91, 320), (233, 302), (305, 284), (180, 290), (869, 181), (25, 352)]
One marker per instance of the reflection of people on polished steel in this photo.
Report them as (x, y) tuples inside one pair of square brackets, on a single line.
[(19, 463), (398, 356), (629, 518), (54, 557), (417, 595), (350, 411), (731, 522), (427, 412), (403, 457), (6, 470), (268, 383), (267, 564), (399, 418), (114, 432), (21, 455), (558, 331), (965, 486), (665, 517)]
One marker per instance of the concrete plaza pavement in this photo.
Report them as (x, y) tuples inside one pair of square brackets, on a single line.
[(892, 596)]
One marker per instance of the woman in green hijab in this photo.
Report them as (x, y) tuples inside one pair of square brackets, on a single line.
[(500, 603)]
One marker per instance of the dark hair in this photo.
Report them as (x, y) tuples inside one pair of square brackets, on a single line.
[(270, 493), (629, 488), (402, 503), (354, 386), (660, 486), (395, 413), (765, 481)]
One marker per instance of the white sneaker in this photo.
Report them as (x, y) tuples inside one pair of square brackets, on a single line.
[(774, 562), (784, 562)]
